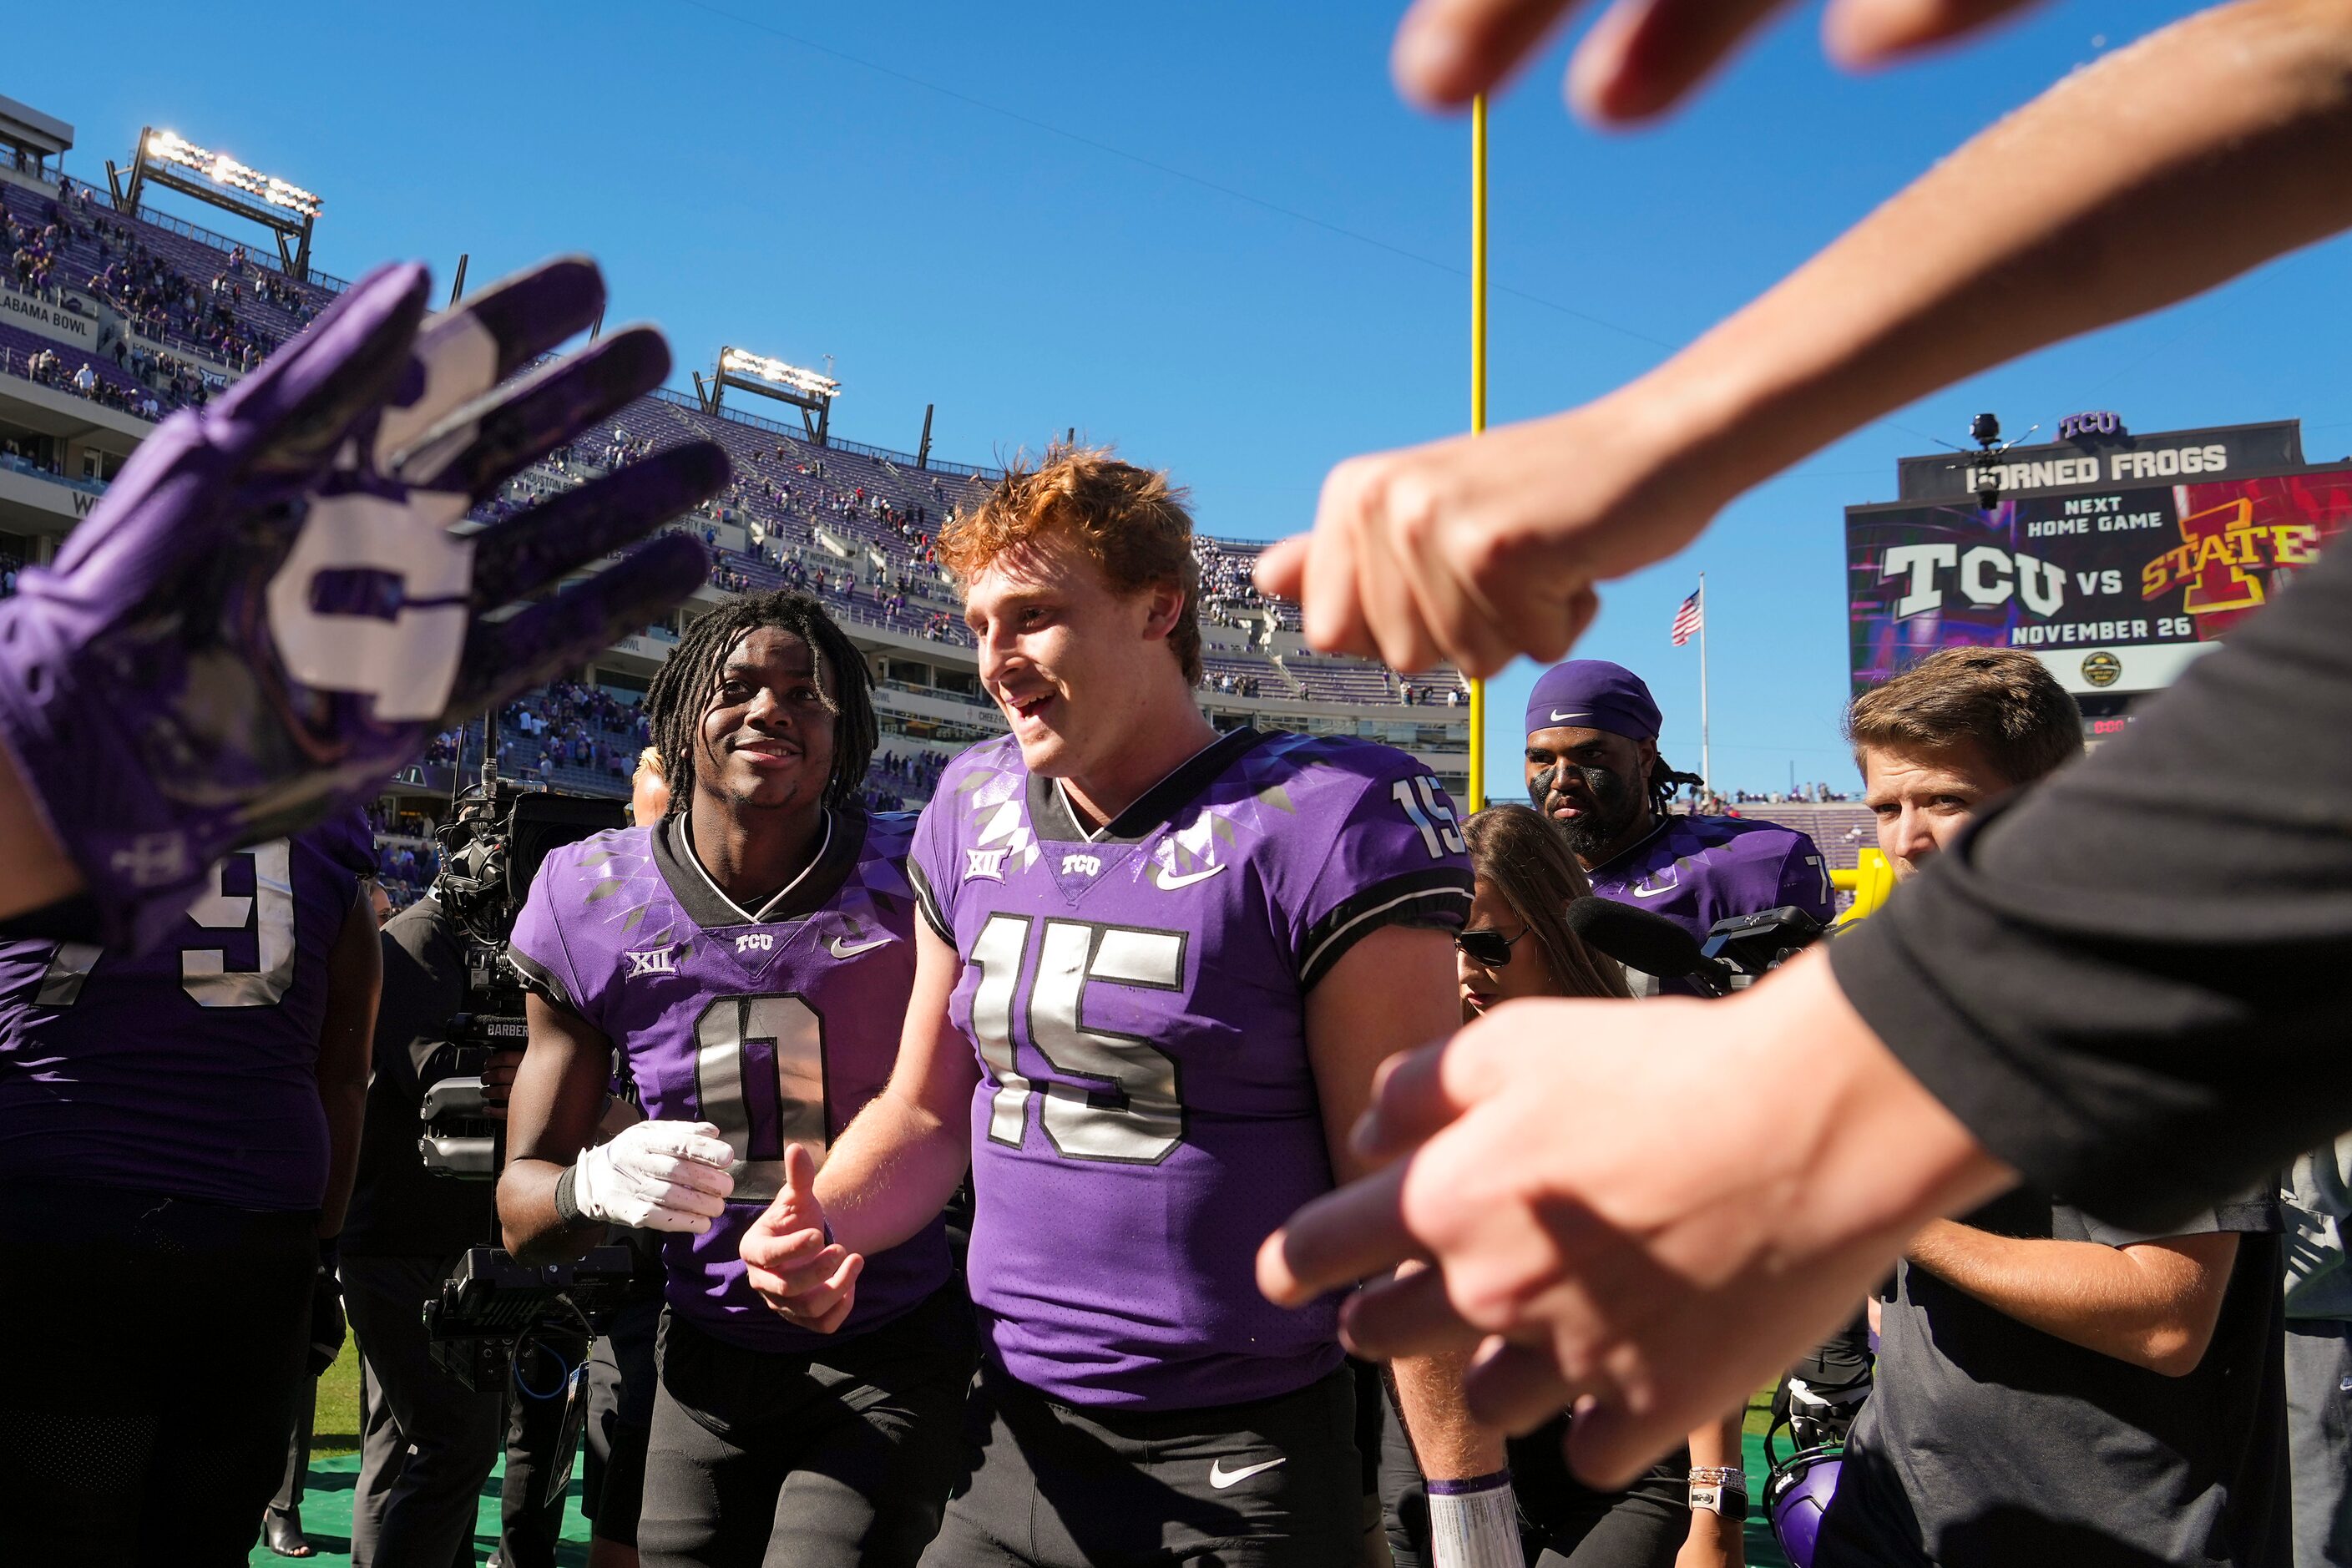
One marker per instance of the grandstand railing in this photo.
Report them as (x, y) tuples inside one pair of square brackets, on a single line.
[(693, 404), (254, 256), (26, 466)]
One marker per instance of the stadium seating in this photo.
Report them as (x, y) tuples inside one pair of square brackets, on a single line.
[(206, 332)]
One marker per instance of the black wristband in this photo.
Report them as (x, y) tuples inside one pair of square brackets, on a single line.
[(567, 1204)]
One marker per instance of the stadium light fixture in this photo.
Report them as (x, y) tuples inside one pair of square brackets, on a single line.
[(776, 372), (171, 147)]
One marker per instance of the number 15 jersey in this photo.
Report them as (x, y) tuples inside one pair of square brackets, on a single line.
[(1147, 1113)]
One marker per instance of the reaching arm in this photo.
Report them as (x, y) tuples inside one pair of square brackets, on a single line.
[(1715, 1541), (558, 1094), (574, 1164), (2221, 143), (895, 1167), (889, 1175), (1392, 992), (1665, 1288), (354, 986), (2153, 1304)]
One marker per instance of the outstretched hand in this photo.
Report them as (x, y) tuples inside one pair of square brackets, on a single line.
[(1640, 1209), (277, 602), (1473, 551), (807, 1278), (1645, 56)]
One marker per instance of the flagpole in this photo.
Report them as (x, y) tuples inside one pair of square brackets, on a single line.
[(1478, 398), (1706, 755)]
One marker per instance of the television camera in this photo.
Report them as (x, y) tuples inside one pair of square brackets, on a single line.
[(1739, 949), (491, 1310), (491, 848)]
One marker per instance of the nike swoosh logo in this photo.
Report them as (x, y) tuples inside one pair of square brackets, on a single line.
[(1167, 884), (1222, 1477), (841, 951), (1656, 892), (1560, 718)]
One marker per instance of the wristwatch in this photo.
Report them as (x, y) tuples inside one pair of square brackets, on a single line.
[(1720, 1490)]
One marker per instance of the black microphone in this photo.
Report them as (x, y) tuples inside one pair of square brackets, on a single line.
[(1635, 938)]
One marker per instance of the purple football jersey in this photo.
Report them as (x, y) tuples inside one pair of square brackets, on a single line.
[(1697, 870), (191, 1069), (1147, 1113), (775, 1025)]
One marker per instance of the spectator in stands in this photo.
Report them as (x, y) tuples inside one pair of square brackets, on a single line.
[(2048, 1385)]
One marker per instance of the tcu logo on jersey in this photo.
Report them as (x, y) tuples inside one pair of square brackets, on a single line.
[(988, 863), (1081, 865), (660, 961), (755, 941)]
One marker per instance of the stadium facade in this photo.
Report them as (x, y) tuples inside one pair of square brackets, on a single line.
[(113, 313), (2114, 557)]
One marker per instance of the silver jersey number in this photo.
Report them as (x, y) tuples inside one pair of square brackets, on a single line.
[(205, 973), (730, 1037), (1132, 1114)]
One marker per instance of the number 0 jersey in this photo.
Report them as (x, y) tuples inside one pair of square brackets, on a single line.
[(774, 1030), (191, 1069), (1147, 1113)]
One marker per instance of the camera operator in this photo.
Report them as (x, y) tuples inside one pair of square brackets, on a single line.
[(177, 1137), (426, 1442), (2044, 1378)]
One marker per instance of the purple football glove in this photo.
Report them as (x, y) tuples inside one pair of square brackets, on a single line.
[(271, 611)]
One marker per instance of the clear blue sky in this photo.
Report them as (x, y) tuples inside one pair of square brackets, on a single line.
[(1125, 219)]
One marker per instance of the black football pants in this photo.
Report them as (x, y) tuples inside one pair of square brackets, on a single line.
[(1271, 1483), (155, 1345), (840, 1460)]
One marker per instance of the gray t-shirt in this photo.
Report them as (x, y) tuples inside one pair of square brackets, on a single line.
[(1987, 1442)]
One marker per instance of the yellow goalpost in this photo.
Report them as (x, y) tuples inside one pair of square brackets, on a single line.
[(1478, 398)]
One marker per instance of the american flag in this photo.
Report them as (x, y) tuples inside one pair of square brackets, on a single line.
[(1687, 620)]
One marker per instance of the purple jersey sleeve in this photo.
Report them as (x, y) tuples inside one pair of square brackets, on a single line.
[(931, 859), (537, 949), (1394, 856)]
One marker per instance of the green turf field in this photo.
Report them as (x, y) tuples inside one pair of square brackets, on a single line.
[(334, 1467)]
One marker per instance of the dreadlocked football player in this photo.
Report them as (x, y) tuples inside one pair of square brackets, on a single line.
[(1156, 969), (750, 955), (178, 1132)]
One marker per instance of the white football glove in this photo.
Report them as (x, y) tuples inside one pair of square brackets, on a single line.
[(1475, 1523), (658, 1175)]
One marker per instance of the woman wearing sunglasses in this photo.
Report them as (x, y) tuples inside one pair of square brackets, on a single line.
[(1518, 944)]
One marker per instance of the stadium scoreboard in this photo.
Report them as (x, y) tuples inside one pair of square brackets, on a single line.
[(2115, 558)]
